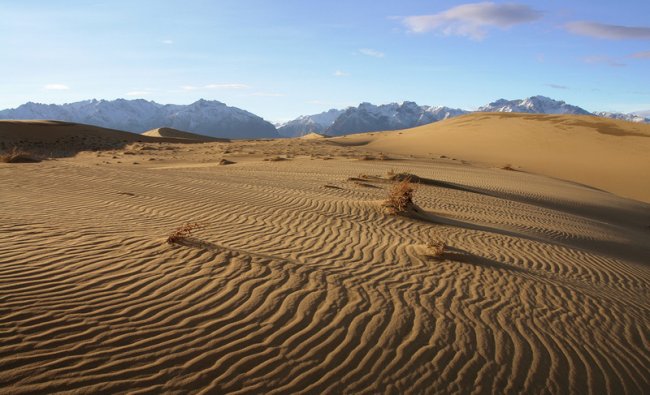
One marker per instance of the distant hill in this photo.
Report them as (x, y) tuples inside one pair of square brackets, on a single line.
[(210, 118)]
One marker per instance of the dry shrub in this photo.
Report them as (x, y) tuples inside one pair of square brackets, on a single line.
[(508, 167), (436, 249), (224, 162), (16, 155), (182, 232), (404, 176), (275, 159), (400, 197)]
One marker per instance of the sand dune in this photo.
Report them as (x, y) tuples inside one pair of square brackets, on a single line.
[(603, 153), (299, 282), (179, 134), (65, 138), (313, 136)]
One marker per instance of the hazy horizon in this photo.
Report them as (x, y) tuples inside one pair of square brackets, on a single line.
[(290, 58)]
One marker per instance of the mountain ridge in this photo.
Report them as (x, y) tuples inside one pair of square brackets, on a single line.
[(209, 118), (215, 119)]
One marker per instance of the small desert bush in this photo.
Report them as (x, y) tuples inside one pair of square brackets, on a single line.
[(404, 176), (400, 197), (275, 159), (16, 155), (182, 232), (435, 249)]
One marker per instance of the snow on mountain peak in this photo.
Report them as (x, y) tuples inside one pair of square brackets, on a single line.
[(533, 104), (207, 117)]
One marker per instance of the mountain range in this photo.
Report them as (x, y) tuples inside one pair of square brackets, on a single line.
[(209, 118), (216, 119)]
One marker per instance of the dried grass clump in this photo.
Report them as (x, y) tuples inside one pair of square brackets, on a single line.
[(182, 232), (404, 176), (400, 197), (16, 155), (275, 159), (436, 249)]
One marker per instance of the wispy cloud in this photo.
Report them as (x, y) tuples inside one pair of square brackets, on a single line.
[(609, 61), (472, 20), (611, 32), (372, 52), (56, 87), (167, 42), (339, 73), (214, 87), (556, 86), (641, 55)]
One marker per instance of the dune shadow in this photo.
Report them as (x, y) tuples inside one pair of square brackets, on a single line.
[(463, 256)]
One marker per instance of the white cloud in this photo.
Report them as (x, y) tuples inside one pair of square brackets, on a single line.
[(167, 42), (472, 20), (611, 32), (371, 52), (56, 87), (339, 73), (214, 87), (557, 86)]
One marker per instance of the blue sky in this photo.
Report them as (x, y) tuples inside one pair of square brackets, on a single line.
[(284, 58)]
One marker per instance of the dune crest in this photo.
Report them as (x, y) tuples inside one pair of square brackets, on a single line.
[(604, 153)]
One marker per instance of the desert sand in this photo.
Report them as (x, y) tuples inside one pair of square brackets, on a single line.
[(178, 134), (299, 281), (600, 152)]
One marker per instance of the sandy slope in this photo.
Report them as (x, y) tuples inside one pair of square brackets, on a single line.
[(56, 138), (604, 153), (179, 134), (299, 283), (313, 136)]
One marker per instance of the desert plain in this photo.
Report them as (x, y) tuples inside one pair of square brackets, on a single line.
[(299, 280)]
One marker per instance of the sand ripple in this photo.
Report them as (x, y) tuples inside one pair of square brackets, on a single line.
[(291, 287)]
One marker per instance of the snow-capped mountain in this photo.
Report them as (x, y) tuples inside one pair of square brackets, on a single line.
[(535, 105), (305, 124), (210, 118), (645, 114), (623, 117), (369, 118)]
